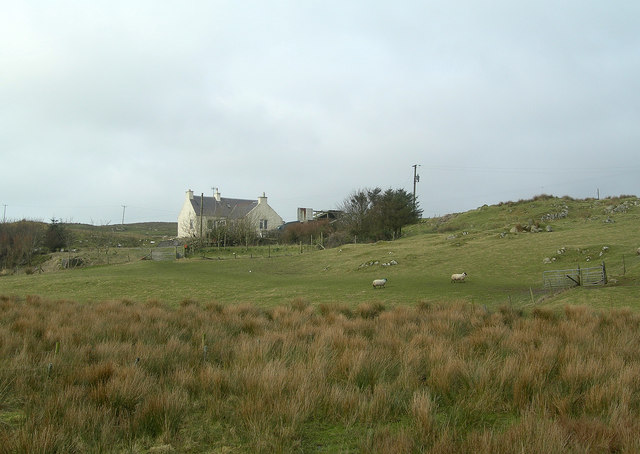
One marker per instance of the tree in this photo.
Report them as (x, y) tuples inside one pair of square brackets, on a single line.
[(371, 214), (397, 209), (357, 218), (57, 236)]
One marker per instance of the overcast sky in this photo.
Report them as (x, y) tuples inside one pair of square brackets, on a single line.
[(112, 103)]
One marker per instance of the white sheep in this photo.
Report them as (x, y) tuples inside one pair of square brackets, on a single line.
[(458, 277), (379, 283)]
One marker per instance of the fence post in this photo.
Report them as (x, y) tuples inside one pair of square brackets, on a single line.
[(604, 273), (624, 266), (579, 276)]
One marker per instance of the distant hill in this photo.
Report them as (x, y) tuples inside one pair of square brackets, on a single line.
[(122, 234)]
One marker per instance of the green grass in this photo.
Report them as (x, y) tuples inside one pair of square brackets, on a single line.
[(502, 267), (85, 236)]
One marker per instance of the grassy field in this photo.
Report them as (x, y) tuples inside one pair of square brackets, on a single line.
[(502, 266), (241, 352)]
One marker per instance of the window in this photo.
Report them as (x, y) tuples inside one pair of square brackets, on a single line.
[(263, 224)]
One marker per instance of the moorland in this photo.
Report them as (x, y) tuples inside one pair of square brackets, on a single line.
[(290, 349)]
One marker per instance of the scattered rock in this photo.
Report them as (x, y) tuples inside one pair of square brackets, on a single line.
[(555, 216), (370, 263), (548, 228), (546, 260)]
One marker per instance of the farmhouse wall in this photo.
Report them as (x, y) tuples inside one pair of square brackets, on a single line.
[(264, 212), (187, 217)]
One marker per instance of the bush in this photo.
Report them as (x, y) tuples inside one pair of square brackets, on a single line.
[(303, 231), (338, 238), (19, 241), (57, 236)]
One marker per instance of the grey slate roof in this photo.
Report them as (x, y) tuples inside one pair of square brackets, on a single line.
[(226, 208)]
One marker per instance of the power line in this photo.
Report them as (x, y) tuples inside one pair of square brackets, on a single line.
[(556, 169)]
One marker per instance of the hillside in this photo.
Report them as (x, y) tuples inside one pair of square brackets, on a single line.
[(493, 244), (131, 235)]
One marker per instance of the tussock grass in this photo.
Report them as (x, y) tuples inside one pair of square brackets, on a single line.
[(127, 376)]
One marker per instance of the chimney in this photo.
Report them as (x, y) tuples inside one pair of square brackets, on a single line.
[(216, 195), (190, 194), (262, 199)]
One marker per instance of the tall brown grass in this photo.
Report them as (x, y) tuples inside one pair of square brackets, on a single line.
[(136, 377)]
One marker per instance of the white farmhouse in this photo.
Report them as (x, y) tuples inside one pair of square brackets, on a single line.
[(216, 210)]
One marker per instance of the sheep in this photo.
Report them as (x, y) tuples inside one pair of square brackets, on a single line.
[(377, 283), (458, 277)]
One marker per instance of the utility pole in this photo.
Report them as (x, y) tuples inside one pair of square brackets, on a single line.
[(416, 178), (4, 215), (124, 207)]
